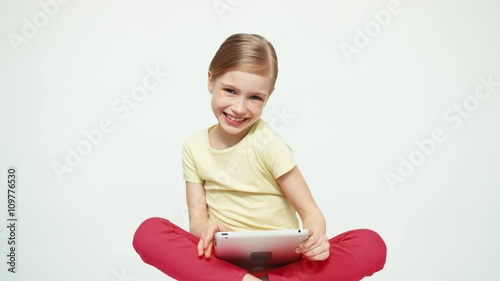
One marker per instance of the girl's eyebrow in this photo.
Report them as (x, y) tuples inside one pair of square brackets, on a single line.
[(228, 85)]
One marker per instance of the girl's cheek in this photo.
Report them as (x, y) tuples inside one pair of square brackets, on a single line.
[(258, 107)]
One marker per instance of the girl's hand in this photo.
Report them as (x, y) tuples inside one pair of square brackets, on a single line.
[(316, 247), (205, 244)]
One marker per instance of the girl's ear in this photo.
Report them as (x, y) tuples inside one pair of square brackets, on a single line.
[(210, 82)]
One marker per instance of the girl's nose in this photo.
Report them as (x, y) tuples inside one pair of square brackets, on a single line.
[(239, 106)]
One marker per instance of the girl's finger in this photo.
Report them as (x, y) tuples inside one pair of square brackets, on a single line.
[(207, 238), (205, 242), (200, 248), (208, 251), (310, 242), (320, 251), (319, 257)]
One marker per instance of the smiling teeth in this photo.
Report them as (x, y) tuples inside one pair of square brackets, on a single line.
[(235, 119)]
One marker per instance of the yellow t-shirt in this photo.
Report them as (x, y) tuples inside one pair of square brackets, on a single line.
[(240, 181)]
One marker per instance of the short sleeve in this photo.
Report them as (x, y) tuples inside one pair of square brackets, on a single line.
[(279, 157), (189, 169)]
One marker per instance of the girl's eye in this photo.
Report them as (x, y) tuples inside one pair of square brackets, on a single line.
[(255, 98), (231, 91)]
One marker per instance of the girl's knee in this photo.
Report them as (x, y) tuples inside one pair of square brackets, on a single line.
[(374, 248), (145, 230), (150, 225), (373, 238)]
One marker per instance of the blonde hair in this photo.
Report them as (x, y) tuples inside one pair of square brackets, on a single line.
[(248, 52)]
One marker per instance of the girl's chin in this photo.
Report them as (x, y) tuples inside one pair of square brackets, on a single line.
[(232, 130)]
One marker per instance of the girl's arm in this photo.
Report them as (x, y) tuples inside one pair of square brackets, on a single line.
[(197, 207), (198, 218), (296, 190)]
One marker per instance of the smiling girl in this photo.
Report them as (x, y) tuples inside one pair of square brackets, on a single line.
[(241, 175)]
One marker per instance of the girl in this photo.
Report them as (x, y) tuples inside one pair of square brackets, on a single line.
[(240, 175)]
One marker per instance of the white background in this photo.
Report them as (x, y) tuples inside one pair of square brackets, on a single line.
[(351, 119)]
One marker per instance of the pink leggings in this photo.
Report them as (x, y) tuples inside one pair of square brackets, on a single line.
[(354, 255)]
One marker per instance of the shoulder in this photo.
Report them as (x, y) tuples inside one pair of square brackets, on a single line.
[(272, 151), (197, 138), (268, 144), (265, 137)]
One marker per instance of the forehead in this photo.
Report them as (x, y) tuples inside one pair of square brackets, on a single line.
[(247, 81), (264, 69)]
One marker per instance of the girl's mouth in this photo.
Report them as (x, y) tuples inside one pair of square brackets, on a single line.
[(234, 120)]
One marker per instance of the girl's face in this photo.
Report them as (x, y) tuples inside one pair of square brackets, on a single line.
[(238, 98)]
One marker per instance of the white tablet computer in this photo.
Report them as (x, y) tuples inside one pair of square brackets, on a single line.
[(259, 250)]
